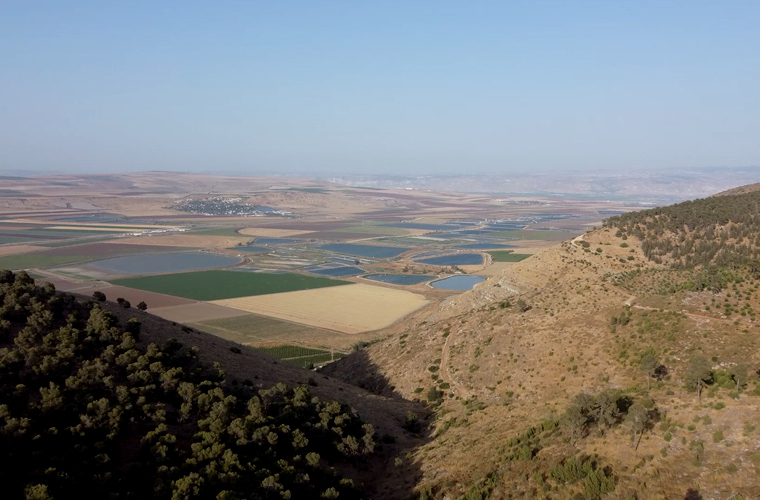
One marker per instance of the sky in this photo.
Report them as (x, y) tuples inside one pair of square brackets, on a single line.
[(378, 87)]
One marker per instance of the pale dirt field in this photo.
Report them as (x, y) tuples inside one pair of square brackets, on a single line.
[(95, 228), (348, 309), (196, 312), (272, 232), (14, 249), (183, 240)]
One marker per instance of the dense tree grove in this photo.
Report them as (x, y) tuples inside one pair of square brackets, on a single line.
[(720, 230), (87, 413)]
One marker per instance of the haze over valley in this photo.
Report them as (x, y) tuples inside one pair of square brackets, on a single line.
[(379, 250)]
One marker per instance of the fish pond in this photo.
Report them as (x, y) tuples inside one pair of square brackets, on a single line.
[(399, 279), (165, 263), (464, 282), (371, 251), (459, 259)]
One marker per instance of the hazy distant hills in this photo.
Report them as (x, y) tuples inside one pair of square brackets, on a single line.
[(670, 186)]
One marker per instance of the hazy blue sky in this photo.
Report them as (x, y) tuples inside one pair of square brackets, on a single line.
[(378, 87)]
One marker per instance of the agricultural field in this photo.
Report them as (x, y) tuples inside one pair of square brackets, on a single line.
[(354, 308), (548, 235), (271, 232), (57, 228), (184, 240), (33, 260), (302, 356), (256, 330), (220, 285), (507, 256)]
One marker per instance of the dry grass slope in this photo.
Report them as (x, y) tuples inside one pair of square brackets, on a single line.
[(500, 370)]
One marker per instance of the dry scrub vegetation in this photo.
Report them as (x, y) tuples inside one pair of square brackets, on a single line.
[(520, 369)]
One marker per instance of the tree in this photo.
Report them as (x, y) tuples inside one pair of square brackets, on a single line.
[(605, 408), (142, 306), (649, 366), (637, 418), (699, 374), (575, 419), (739, 373), (585, 402), (99, 296), (123, 303)]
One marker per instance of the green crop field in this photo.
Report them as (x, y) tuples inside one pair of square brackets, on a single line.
[(301, 356), (217, 285), (507, 256), (30, 260)]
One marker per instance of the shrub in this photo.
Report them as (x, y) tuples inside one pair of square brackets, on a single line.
[(412, 423), (719, 405), (99, 296), (235, 349), (434, 395), (597, 483), (718, 436)]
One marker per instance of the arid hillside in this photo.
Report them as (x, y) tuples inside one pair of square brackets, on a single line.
[(586, 371)]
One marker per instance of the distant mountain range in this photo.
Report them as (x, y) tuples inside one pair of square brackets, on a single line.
[(675, 185)]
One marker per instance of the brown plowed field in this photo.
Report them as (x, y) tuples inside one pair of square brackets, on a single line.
[(14, 249), (195, 312)]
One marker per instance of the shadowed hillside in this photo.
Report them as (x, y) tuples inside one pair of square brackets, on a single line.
[(101, 401)]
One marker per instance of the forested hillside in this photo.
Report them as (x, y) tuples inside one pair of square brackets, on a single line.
[(88, 412), (720, 230)]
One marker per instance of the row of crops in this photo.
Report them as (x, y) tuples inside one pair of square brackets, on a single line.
[(302, 356)]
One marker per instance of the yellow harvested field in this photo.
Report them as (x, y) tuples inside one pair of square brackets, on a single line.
[(14, 249), (349, 309), (271, 232), (183, 240)]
